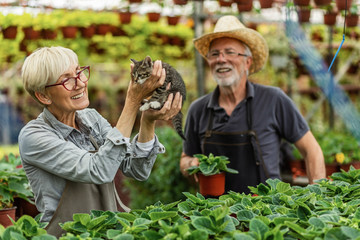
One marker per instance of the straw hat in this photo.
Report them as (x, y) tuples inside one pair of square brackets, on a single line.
[(230, 26)]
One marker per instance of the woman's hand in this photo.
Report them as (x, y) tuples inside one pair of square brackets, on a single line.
[(171, 107), (137, 92)]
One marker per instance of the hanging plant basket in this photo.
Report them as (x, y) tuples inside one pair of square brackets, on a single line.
[(88, 32), (69, 31), (225, 3), (341, 4), (330, 18), (245, 7), (304, 15), (153, 16), (135, 1), (322, 2), (48, 34), (173, 20), (266, 3), (30, 33), (102, 29), (302, 3), (180, 2), (352, 20), (125, 17), (10, 32), (213, 185), (5, 214)]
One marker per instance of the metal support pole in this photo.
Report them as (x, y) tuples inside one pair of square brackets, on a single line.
[(199, 61)]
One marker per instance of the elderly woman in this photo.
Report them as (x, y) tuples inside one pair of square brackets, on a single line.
[(71, 153)]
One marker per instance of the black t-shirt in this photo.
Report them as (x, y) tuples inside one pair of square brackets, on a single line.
[(274, 116)]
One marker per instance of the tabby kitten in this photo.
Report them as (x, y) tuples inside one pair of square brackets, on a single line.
[(142, 71)]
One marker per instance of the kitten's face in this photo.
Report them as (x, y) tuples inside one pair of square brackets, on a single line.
[(142, 70)]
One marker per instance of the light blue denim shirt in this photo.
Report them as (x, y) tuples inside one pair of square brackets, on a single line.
[(52, 152)]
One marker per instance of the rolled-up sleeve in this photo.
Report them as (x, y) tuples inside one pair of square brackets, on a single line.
[(141, 161)]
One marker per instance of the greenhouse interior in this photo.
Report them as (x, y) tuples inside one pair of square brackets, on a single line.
[(301, 175)]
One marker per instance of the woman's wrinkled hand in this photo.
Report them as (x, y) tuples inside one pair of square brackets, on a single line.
[(171, 107), (138, 92)]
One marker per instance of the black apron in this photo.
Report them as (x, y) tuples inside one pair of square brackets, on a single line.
[(243, 151)]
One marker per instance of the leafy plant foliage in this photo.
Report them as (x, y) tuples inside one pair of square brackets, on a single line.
[(210, 165), (275, 210)]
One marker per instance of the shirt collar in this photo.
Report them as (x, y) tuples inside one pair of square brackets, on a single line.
[(64, 129), (214, 99)]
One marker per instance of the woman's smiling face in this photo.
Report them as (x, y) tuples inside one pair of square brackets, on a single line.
[(63, 101)]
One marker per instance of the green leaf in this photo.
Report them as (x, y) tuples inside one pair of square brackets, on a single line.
[(335, 234), (96, 221), (112, 233), (351, 233), (317, 223), (155, 216), (152, 235), (83, 218), (203, 223), (245, 215), (141, 221), (128, 216), (258, 227), (44, 237)]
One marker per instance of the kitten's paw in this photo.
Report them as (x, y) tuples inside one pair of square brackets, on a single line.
[(144, 107), (155, 105)]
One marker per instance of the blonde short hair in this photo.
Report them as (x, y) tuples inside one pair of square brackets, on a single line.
[(44, 66)]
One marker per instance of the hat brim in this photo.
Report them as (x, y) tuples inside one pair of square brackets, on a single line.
[(251, 38)]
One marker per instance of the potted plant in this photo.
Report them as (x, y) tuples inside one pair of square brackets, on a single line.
[(48, 24), (353, 18), (31, 32), (125, 13), (9, 24), (343, 5), (211, 173), (245, 6), (330, 14), (13, 184)]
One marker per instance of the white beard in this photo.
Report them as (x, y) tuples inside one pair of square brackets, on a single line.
[(234, 79)]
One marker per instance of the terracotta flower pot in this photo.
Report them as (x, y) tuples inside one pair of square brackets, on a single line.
[(346, 167), (322, 2), (30, 33), (330, 18), (302, 2), (304, 15), (247, 7), (10, 32), (153, 16), (225, 3), (213, 185), (341, 4), (24, 207), (48, 34), (88, 32), (180, 2), (69, 31), (102, 29), (331, 168), (352, 20), (5, 214), (266, 3), (125, 17), (173, 20)]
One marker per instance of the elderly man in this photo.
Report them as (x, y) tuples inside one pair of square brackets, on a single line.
[(243, 120)]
